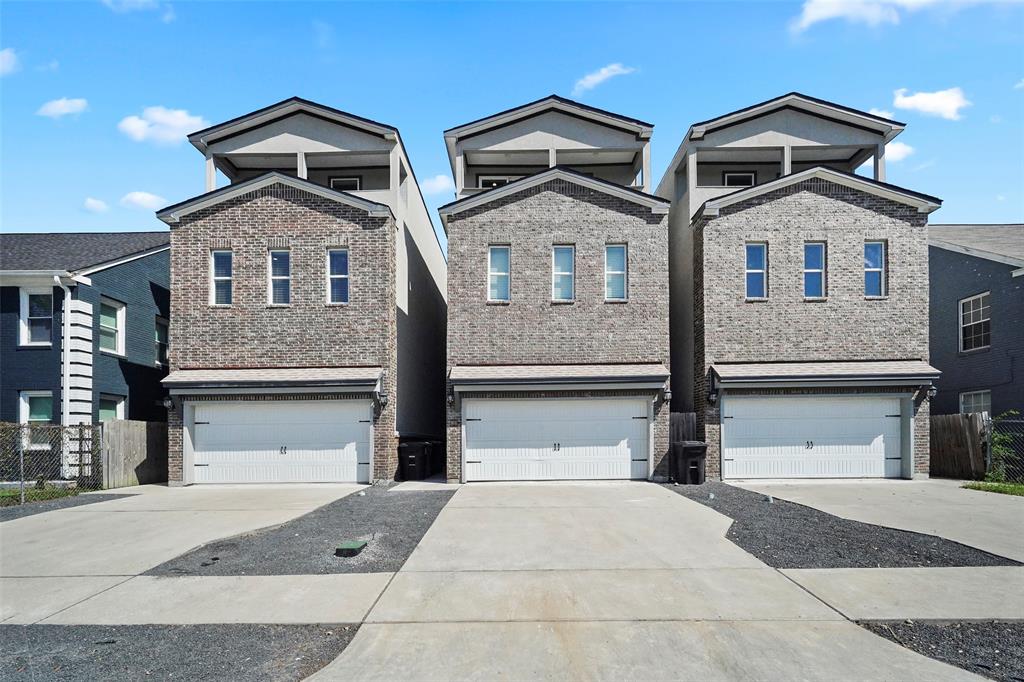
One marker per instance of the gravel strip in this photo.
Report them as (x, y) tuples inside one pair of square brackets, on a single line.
[(163, 652), (788, 535), (992, 649), (392, 523), (23, 510)]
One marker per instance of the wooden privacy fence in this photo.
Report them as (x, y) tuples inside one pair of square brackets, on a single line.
[(958, 446), (134, 453)]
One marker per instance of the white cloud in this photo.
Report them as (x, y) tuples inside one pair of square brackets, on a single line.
[(1019, 85), (95, 205), (63, 107), (869, 12), (595, 78), (142, 200), (123, 6), (944, 103), (161, 125), (51, 65), (168, 14), (881, 112), (897, 151), (323, 35), (1000, 197), (922, 166), (439, 184), (9, 62)]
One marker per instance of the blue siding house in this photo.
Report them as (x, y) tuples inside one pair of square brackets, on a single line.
[(101, 297), (977, 317)]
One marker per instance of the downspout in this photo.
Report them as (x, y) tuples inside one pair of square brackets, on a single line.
[(65, 354)]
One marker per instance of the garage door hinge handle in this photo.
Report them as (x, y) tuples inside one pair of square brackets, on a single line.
[(894, 415), (202, 465), (644, 418), (364, 421), (473, 420), (198, 423)]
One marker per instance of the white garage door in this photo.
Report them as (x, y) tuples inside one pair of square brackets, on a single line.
[(282, 441), (529, 440), (812, 437)]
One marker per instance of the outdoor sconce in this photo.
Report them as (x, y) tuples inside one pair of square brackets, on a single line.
[(932, 392)]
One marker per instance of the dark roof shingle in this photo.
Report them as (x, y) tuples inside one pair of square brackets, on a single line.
[(73, 251)]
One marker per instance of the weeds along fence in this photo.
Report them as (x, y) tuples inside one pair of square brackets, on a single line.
[(976, 446), (1005, 443), (45, 461)]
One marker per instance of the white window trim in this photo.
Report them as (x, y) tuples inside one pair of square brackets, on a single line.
[(23, 336), (555, 273), (347, 276), (823, 270), (271, 277), (750, 174), (23, 412), (359, 182), (118, 408), (156, 356), (747, 271), (624, 273), (974, 393), (121, 308), (960, 323), (214, 279), (508, 275), (480, 179), (884, 285)]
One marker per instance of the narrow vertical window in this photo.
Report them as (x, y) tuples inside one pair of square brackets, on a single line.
[(160, 340), (616, 258), (499, 264), (563, 273), (280, 285), (874, 268), (814, 270), (337, 275), (36, 317), (757, 270), (221, 267), (112, 326), (976, 322)]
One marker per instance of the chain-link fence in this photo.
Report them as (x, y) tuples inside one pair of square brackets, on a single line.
[(46, 461), (1004, 437)]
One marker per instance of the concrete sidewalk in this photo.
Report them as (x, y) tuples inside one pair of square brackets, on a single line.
[(987, 521)]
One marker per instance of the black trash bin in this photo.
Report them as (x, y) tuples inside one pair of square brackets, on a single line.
[(414, 461), (686, 461)]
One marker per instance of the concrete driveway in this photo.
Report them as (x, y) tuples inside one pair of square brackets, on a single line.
[(52, 561), (604, 581), (988, 521)]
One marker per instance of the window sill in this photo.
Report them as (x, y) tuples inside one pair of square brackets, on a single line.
[(499, 303), (279, 305), (329, 304), (815, 299), (220, 305), (563, 302), (114, 353), (36, 345), (974, 351), (616, 300), (876, 298), (758, 299)]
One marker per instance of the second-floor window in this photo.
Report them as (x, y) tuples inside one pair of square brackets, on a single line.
[(563, 273), (337, 275), (757, 270), (739, 178), (112, 316), (874, 268), (492, 181), (976, 322), (345, 184), (814, 270), (160, 340), (279, 286), (615, 269), (976, 401), (36, 317), (221, 267), (499, 273)]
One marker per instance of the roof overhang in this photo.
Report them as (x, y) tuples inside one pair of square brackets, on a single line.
[(274, 381), (922, 202), (40, 278), (912, 373), (173, 214), (978, 253), (201, 139), (657, 205), (491, 378)]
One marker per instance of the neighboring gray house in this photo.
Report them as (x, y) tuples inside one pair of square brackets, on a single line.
[(308, 303), (83, 326), (977, 317), (558, 305), (799, 304)]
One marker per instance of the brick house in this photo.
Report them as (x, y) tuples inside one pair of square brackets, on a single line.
[(799, 294), (558, 309), (309, 297)]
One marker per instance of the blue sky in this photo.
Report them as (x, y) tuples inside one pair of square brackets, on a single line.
[(97, 96)]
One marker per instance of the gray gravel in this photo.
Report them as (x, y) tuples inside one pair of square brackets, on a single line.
[(164, 652), (992, 649), (23, 510), (788, 535), (391, 522)]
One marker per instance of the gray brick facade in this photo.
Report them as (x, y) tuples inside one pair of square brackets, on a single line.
[(530, 329), (307, 333), (846, 325)]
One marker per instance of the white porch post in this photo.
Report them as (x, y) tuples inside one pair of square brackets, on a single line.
[(211, 173), (460, 174), (787, 160), (646, 170), (552, 157), (880, 163), (300, 165)]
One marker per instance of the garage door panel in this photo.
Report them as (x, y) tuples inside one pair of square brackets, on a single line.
[(811, 437), (555, 439)]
